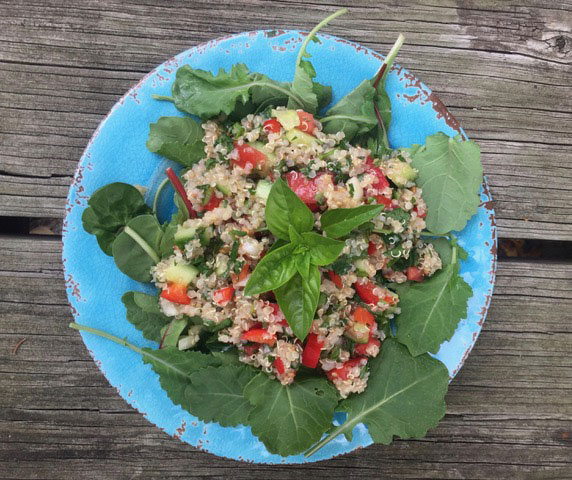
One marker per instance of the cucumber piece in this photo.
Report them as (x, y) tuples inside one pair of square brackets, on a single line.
[(289, 119), (297, 137), (205, 235), (184, 235), (400, 172), (361, 267), (181, 274), (223, 189), (263, 189), (358, 332)]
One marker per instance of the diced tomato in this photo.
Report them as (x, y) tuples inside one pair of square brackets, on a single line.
[(248, 155), (362, 315), (279, 365), (361, 348), (307, 122), (344, 370), (278, 314), (213, 202), (259, 335), (420, 213), (371, 248), (383, 200), (176, 293), (311, 353), (305, 188), (240, 279), (334, 277), (365, 292), (223, 296), (414, 274), (272, 126), (390, 299), (381, 181), (251, 349)]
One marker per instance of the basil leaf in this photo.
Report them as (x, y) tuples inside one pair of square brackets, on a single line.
[(295, 237), (215, 394), (303, 266), (323, 250), (110, 208), (405, 397), (144, 314), (135, 250), (274, 270), (341, 221), (288, 419), (431, 310), (177, 138), (353, 114), (450, 174), (284, 208), (298, 300)]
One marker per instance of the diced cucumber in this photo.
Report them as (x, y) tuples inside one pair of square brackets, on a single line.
[(400, 172), (223, 189), (263, 189), (180, 273), (184, 235), (289, 119), (205, 235), (298, 137), (361, 267), (358, 332)]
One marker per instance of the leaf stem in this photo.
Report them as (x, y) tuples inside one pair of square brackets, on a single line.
[(181, 191), (322, 443), (108, 336), (388, 62), (158, 193), (315, 30), (430, 234), (142, 243), (162, 97)]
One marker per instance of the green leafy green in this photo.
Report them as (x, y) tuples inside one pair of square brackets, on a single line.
[(216, 394), (298, 300), (303, 264), (404, 397), (450, 174), (284, 208), (288, 419), (172, 332), (273, 271), (110, 208), (322, 250), (136, 249), (341, 221), (177, 138), (144, 314), (431, 310), (353, 114)]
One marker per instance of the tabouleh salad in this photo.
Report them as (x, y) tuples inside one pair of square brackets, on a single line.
[(309, 267)]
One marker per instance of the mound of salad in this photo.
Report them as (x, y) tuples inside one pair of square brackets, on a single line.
[(309, 267)]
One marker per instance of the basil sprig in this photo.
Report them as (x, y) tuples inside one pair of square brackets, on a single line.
[(291, 270)]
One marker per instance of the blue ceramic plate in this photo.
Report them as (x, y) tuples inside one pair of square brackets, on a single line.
[(117, 153)]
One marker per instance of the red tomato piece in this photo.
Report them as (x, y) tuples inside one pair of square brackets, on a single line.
[(176, 293), (305, 188), (223, 296), (248, 155), (239, 280), (259, 335), (213, 202), (365, 292), (272, 126), (362, 348), (334, 277), (307, 122), (311, 353), (362, 315), (420, 213), (414, 274), (345, 369), (278, 314), (383, 200), (251, 349), (279, 365), (371, 248)]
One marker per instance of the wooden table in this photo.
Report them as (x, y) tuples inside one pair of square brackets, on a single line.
[(505, 70)]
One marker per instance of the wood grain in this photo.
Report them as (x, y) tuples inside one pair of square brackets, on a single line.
[(503, 68), (509, 413)]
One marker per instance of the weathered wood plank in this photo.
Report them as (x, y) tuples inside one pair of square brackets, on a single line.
[(504, 69), (509, 413)]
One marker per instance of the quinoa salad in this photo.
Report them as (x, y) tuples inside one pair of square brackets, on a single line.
[(229, 187), (298, 264)]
